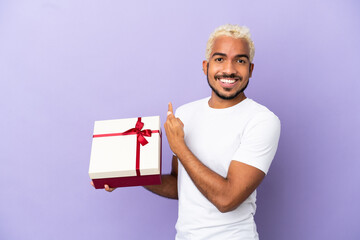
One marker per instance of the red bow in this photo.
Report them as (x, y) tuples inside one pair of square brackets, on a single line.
[(140, 134)]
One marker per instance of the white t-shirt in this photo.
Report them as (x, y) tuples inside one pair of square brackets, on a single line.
[(247, 132)]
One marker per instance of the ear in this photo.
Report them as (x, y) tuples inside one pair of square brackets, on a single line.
[(251, 68), (205, 67)]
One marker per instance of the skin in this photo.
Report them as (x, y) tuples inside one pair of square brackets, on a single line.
[(229, 57)]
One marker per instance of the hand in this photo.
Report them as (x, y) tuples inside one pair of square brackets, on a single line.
[(107, 188), (174, 129)]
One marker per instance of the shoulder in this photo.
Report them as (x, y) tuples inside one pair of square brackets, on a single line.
[(259, 112), (261, 115)]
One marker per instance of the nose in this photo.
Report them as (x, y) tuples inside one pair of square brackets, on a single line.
[(229, 68)]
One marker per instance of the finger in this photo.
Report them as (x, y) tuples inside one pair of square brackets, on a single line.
[(170, 108), (92, 183), (107, 188)]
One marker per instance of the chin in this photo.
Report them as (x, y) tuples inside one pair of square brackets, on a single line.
[(227, 96)]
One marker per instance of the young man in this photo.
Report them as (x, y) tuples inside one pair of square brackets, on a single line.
[(223, 146)]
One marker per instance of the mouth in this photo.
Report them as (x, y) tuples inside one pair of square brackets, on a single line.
[(227, 82)]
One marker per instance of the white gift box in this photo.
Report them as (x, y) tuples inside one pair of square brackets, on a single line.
[(118, 157)]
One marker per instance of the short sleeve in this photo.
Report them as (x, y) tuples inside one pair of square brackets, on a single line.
[(259, 141)]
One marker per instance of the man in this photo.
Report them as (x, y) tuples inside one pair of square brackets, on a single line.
[(223, 146)]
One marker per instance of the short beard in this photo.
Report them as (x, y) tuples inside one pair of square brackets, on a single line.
[(226, 89)]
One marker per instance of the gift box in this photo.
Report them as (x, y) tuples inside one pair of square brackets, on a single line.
[(126, 152)]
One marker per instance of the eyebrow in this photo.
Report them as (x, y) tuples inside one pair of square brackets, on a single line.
[(238, 56), (220, 54), (242, 55)]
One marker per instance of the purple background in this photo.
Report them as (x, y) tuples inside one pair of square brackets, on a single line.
[(65, 64)]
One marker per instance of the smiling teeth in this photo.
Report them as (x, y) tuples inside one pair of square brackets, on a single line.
[(227, 81)]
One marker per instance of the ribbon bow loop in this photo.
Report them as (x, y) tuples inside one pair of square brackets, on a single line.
[(142, 134), (139, 125)]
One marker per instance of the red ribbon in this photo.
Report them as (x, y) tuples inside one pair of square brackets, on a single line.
[(141, 134)]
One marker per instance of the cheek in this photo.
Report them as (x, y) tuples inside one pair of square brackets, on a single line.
[(213, 71), (244, 71), (212, 74)]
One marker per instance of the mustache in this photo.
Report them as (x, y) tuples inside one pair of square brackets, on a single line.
[(234, 76)]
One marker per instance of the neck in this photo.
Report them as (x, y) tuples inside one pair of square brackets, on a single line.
[(216, 102)]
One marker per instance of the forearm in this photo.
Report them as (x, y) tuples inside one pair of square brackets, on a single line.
[(212, 185), (167, 188)]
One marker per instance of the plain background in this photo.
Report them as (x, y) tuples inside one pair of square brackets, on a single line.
[(65, 64)]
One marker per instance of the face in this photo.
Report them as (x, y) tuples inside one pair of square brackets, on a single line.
[(229, 68)]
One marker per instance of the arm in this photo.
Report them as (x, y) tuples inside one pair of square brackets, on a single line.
[(225, 193), (168, 187)]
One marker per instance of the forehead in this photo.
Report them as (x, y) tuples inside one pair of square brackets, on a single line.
[(230, 46)]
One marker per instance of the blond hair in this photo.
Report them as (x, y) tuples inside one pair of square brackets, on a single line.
[(234, 31)]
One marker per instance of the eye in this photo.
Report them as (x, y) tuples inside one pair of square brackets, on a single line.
[(219, 59), (241, 61)]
